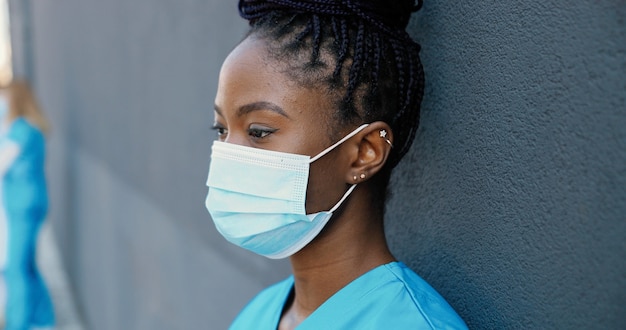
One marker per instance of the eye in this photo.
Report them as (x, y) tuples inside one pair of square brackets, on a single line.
[(220, 130), (260, 132)]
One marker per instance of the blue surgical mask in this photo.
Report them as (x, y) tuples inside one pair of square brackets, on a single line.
[(257, 198)]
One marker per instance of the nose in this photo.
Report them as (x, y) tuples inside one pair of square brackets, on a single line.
[(238, 138)]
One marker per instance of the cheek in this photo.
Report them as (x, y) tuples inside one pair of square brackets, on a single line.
[(326, 185)]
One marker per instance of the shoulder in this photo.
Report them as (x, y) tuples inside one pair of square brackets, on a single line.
[(390, 296), (411, 300), (263, 311), (276, 293), (21, 131), (21, 124)]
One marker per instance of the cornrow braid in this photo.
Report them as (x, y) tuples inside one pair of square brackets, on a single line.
[(358, 63), (373, 62)]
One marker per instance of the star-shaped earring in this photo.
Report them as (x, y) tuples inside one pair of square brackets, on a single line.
[(383, 135)]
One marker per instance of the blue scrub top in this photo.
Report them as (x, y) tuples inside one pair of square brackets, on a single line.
[(390, 296), (24, 185)]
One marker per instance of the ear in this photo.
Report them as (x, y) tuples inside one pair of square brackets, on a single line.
[(374, 146)]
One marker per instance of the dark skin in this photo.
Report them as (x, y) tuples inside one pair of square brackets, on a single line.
[(258, 106)]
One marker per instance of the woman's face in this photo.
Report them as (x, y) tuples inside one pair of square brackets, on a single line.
[(259, 106)]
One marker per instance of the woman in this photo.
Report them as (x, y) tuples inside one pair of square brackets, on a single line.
[(314, 108), (25, 202)]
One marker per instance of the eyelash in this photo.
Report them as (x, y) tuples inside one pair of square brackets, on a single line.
[(254, 133), (260, 133), (220, 130)]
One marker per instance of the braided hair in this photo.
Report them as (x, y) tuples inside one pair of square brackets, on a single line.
[(357, 49)]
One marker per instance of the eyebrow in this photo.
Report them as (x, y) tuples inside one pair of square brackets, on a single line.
[(256, 106)]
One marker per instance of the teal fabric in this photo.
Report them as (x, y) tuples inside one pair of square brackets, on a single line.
[(24, 183), (390, 296), (25, 202)]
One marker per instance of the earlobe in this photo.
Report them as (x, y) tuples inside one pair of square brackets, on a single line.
[(373, 150)]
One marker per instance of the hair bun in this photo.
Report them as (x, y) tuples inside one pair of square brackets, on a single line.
[(388, 15)]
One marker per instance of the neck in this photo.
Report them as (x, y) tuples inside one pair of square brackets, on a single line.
[(352, 244)]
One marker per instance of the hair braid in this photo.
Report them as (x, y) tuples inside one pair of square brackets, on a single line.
[(317, 39), (376, 61), (288, 24), (368, 63), (343, 49), (302, 35), (357, 63), (415, 92)]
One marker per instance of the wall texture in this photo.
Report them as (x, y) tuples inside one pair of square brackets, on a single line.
[(512, 202)]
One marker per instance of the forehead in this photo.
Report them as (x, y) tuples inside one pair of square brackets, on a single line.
[(249, 74)]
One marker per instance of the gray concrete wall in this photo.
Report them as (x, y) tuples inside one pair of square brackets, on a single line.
[(511, 202)]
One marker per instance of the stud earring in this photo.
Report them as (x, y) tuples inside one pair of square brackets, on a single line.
[(362, 176), (383, 134)]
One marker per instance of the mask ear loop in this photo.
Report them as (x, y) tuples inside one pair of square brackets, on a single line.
[(329, 149), (343, 198)]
